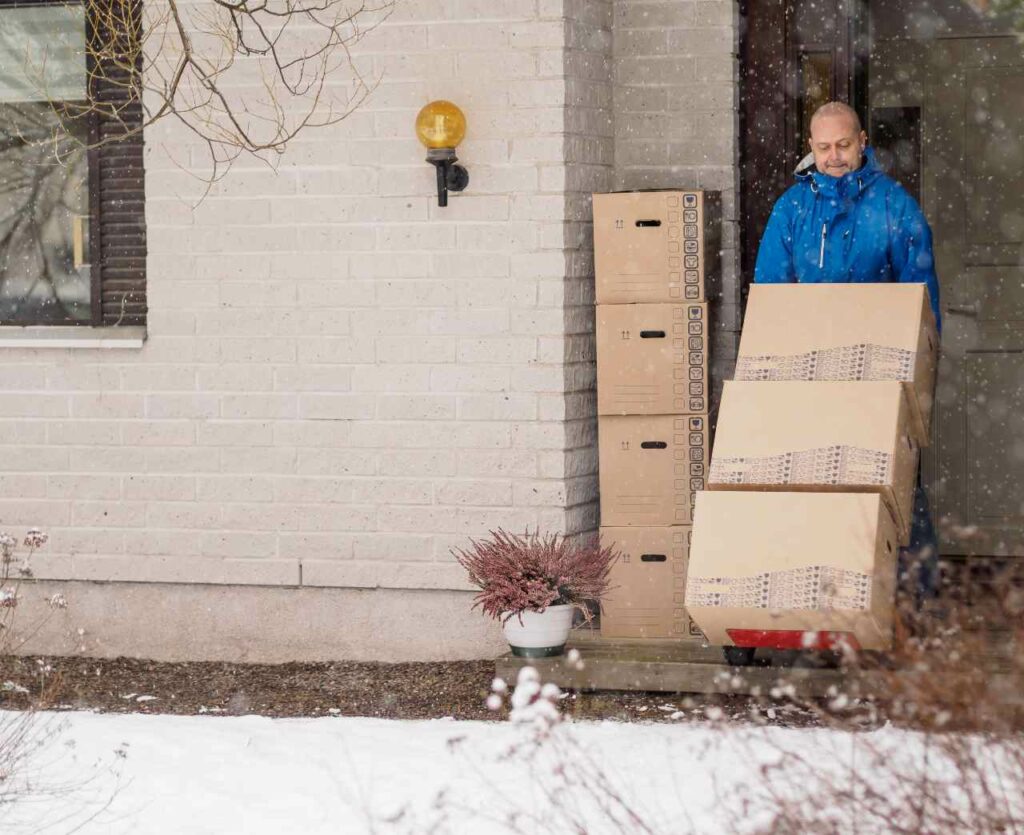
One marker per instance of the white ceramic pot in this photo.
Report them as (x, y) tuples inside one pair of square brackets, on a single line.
[(540, 634)]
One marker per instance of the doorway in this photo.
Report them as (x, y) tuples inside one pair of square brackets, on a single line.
[(939, 87)]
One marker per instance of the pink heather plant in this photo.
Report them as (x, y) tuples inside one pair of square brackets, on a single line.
[(516, 574)]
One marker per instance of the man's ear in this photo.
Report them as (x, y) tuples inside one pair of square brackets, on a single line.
[(863, 140)]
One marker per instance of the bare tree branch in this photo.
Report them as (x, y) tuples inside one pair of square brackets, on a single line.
[(242, 76)]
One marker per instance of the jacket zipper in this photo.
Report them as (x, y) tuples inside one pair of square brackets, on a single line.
[(821, 252)]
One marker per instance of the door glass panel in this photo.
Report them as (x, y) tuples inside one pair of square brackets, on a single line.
[(896, 138), (816, 71), (816, 21), (45, 276)]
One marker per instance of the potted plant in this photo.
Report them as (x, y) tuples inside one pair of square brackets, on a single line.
[(534, 583)]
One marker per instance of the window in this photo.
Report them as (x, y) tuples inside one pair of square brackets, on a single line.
[(72, 232)]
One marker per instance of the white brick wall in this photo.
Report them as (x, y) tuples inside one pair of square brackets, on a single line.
[(651, 103), (341, 379), (590, 158)]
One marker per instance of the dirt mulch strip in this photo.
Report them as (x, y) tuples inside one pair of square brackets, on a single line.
[(456, 689), (125, 685)]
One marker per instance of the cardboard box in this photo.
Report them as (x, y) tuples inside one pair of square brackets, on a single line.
[(657, 246), (843, 332), (652, 359), (793, 570), (650, 467), (648, 584), (841, 437)]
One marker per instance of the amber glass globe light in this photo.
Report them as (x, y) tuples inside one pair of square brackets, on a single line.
[(440, 124)]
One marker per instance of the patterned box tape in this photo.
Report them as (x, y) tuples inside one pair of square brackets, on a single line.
[(851, 362), (811, 587), (838, 464)]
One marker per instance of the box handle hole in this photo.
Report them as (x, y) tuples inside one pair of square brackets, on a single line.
[(652, 334), (652, 558), (653, 445), (648, 223)]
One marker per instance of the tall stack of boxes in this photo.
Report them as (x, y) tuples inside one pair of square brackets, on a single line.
[(810, 490), (657, 263)]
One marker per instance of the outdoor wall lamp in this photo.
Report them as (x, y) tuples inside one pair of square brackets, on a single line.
[(441, 126)]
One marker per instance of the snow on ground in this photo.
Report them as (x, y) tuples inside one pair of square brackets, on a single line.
[(152, 774)]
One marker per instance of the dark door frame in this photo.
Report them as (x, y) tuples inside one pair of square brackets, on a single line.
[(769, 119)]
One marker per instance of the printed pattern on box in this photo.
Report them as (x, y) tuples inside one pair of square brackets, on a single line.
[(694, 448), (691, 252), (681, 623), (694, 389), (819, 587), (851, 362), (837, 464)]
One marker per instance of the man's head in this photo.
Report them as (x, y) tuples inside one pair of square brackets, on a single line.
[(837, 140)]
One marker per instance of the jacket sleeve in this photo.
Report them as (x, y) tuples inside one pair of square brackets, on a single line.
[(775, 254), (911, 247)]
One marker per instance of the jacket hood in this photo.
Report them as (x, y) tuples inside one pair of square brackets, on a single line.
[(850, 184)]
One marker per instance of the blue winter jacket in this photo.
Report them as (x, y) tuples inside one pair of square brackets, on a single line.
[(863, 226)]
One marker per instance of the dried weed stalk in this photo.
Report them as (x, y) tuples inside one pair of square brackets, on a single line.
[(15, 569), (29, 739)]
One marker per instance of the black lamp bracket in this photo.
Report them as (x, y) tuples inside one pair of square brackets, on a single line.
[(450, 177)]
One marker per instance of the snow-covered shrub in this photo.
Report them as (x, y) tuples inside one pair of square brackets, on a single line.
[(955, 684), (516, 574), (532, 705), (570, 791)]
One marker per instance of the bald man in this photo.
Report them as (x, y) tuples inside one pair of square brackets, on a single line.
[(844, 220)]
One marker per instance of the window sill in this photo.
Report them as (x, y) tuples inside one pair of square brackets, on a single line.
[(70, 336)]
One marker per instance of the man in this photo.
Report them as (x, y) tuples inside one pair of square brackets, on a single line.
[(846, 221)]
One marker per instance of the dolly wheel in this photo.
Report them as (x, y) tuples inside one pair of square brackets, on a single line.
[(739, 656)]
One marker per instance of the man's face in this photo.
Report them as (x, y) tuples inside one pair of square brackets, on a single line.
[(836, 144)]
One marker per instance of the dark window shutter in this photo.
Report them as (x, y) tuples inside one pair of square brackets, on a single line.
[(118, 197)]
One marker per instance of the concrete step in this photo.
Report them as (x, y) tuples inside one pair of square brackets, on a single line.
[(676, 666)]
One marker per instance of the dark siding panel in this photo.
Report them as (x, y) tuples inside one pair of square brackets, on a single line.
[(122, 201), (763, 108)]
